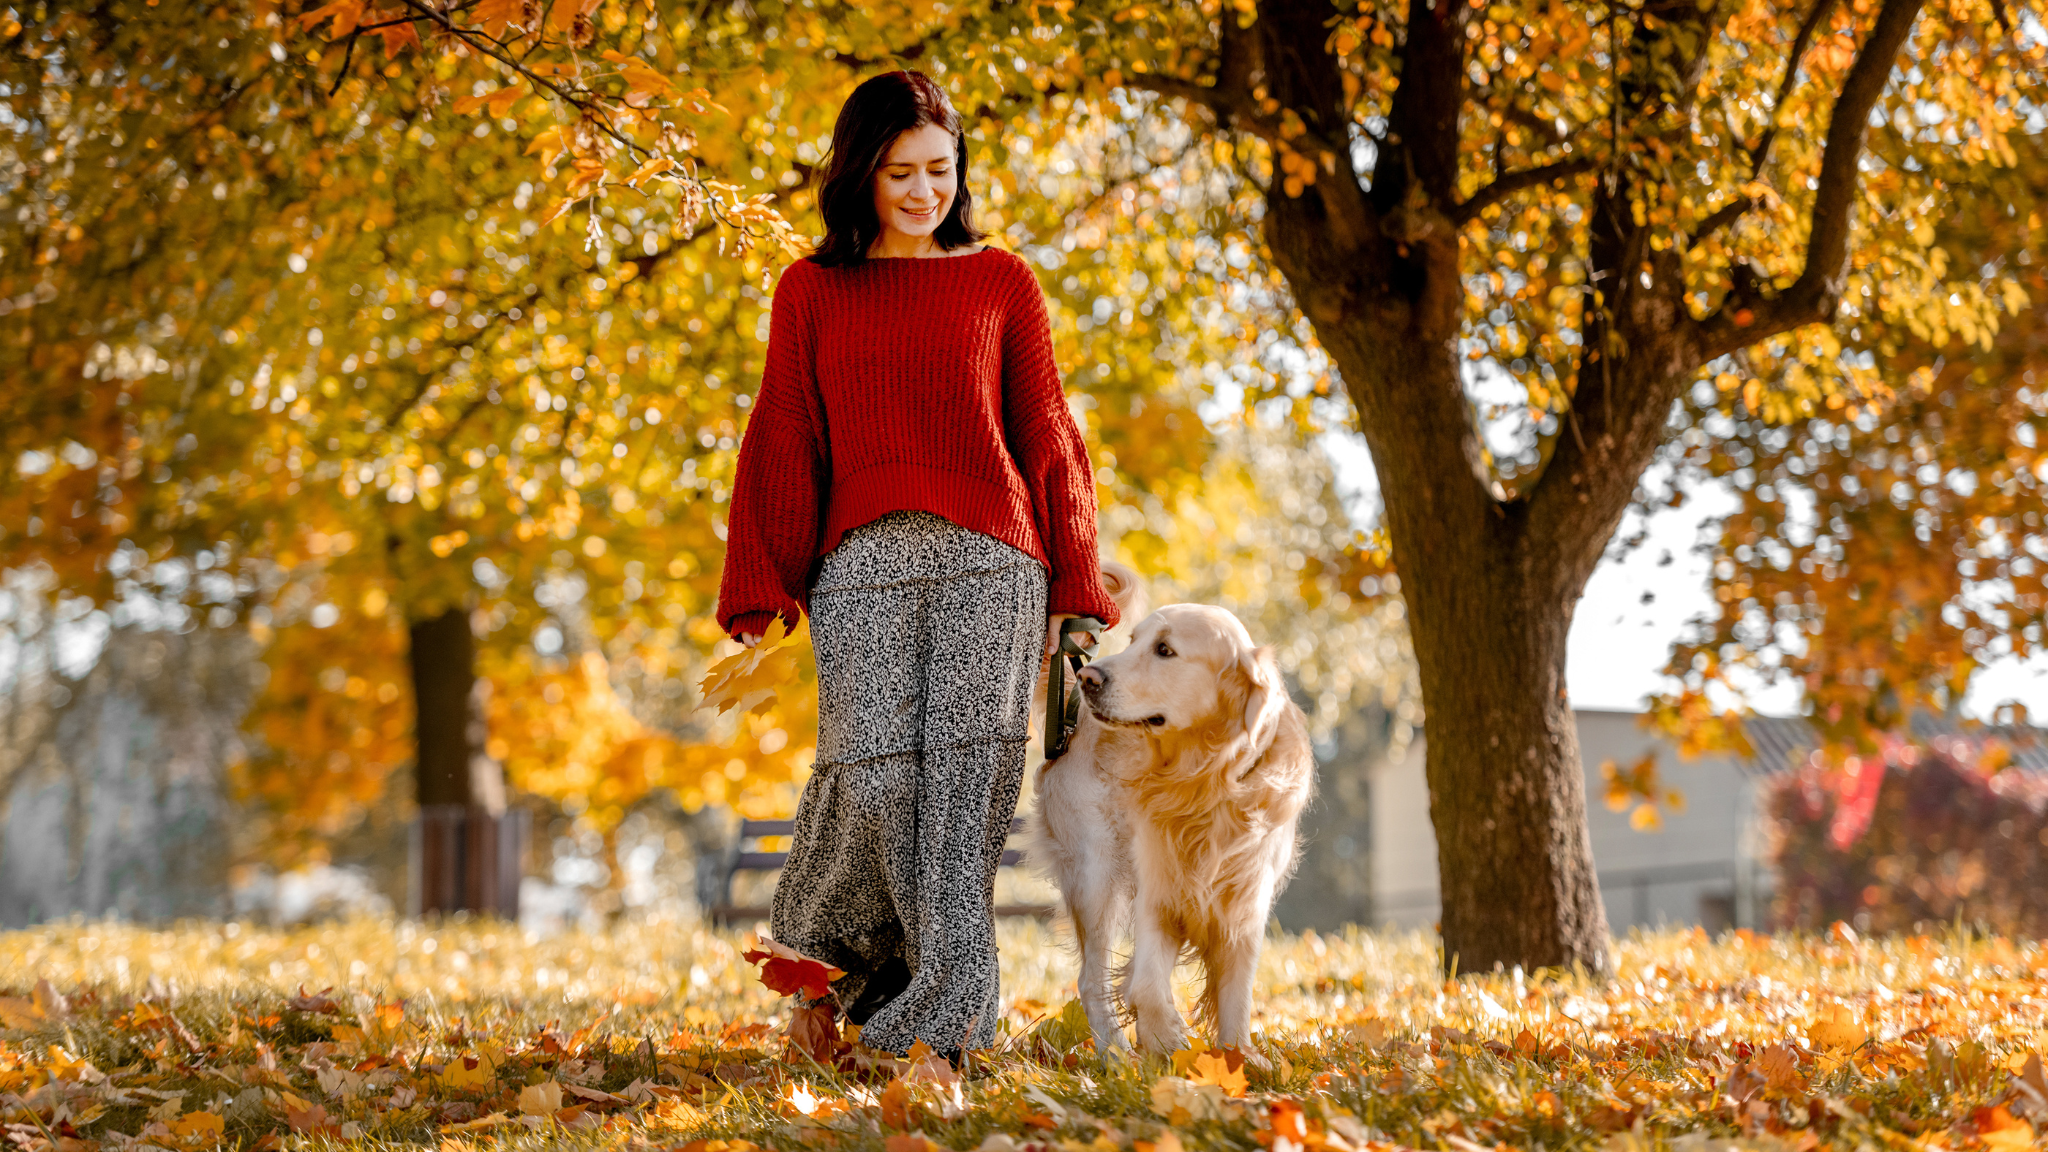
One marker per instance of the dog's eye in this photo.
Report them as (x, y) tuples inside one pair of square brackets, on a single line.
[(1162, 650)]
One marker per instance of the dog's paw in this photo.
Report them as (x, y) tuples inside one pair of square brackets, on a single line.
[(1109, 1035), (1162, 1037)]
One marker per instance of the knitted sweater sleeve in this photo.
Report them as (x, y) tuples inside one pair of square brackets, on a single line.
[(783, 477), (1049, 451)]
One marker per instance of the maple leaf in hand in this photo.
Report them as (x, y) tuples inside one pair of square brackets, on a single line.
[(786, 970), (749, 679)]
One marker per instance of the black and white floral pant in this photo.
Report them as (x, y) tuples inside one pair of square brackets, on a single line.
[(928, 639)]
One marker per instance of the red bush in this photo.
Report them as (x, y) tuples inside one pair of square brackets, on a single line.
[(1912, 837)]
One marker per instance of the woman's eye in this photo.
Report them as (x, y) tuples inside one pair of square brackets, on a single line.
[(1162, 651)]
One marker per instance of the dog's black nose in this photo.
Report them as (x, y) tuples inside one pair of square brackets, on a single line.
[(1092, 679)]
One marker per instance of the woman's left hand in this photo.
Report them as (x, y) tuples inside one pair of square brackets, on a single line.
[(1052, 634)]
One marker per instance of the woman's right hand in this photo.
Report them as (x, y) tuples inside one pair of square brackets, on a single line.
[(748, 639)]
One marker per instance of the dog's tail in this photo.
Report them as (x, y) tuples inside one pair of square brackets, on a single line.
[(1125, 589)]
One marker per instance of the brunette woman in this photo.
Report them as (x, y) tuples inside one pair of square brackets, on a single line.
[(912, 479)]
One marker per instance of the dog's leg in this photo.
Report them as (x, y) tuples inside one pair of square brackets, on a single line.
[(1149, 986), (1233, 966), (1094, 908)]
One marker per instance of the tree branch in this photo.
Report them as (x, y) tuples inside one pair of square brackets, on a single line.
[(1800, 42), (1735, 209), (1748, 315), (1720, 218), (1422, 125), (1512, 182), (1229, 99)]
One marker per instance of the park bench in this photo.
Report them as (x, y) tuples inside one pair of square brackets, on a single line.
[(744, 856)]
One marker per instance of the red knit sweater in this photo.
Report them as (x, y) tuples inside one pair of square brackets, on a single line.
[(909, 384)]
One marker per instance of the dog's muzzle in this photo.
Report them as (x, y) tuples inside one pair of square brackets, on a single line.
[(1094, 682)]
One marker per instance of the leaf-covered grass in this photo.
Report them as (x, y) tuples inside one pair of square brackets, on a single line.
[(379, 1034)]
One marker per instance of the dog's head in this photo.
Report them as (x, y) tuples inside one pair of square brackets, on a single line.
[(1192, 676)]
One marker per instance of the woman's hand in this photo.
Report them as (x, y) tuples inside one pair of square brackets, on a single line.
[(748, 639), (1052, 634)]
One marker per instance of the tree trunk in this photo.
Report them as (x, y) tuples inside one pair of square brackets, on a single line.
[(443, 685), (1490, 587), (467, 847), (1507, 791)]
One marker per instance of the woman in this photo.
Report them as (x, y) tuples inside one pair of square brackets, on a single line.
[(913, 479)]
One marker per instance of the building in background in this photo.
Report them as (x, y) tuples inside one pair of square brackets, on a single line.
[(1706, 865)]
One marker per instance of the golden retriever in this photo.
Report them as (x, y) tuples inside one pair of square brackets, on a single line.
[(1174, 811)]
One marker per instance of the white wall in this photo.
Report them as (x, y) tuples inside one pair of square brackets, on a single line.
[(1648, 878)]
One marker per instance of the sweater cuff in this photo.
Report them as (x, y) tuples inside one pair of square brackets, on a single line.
[(1082, 596), (755, 623)]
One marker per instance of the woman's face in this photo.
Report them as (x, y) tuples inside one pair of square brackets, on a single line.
[(916, 183)]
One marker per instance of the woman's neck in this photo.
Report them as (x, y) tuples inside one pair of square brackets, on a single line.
[(894, 245)]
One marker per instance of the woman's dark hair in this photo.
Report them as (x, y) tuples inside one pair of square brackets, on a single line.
[(881, 109)]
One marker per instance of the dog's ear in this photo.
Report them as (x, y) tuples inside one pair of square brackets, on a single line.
[(1265, 701), (1125, 589)]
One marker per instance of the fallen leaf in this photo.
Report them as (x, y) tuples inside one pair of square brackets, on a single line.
[(895, 1103), (206, 1126), (814, 1032), (543, 1099), (311, 1119), (1223, 1069), (478, 1124), (1838, 1028)]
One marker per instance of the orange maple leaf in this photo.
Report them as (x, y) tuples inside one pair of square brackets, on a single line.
[(498, 100), (346, 14), (814, 1032), (1223, 1068), (397, 31), (896, 1104), (786, 970), (1285, 1121), (494, 15)]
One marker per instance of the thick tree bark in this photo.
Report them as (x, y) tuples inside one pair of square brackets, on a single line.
[(1507, 795), (468, 847)]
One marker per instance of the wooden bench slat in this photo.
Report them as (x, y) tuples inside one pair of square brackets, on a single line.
[(728, 913), (755, 830), (751, 829)]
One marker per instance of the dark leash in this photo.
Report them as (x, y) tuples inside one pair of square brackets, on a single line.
[(1062, 708)]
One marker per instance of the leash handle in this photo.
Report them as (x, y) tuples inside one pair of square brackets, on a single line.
[(1062, 708)]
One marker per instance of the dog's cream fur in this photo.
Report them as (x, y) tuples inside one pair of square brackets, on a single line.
[(1174, 812)]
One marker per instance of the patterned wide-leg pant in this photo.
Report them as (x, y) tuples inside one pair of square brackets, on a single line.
[(928, 639)]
